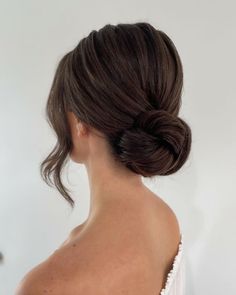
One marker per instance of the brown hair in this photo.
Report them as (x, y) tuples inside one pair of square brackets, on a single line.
[(126, 81)]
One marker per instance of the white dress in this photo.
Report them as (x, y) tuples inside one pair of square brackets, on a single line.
[(175, 282)]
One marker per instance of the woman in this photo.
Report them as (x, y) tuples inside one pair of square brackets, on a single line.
[(114, 105)]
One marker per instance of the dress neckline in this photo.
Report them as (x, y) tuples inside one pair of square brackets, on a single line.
[(174, 268)]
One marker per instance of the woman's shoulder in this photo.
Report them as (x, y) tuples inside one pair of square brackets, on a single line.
[(47, 275), (94, 271), (111, 254)]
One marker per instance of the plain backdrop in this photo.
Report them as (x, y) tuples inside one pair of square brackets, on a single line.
[(34, 218)]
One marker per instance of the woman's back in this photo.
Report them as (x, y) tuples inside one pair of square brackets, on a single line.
[(126, 250)]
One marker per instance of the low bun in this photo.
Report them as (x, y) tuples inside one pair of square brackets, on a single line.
[(158, 143)]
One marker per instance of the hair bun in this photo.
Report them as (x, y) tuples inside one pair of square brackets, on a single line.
[(158, 143)]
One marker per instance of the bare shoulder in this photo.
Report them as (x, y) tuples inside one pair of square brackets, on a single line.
[(167, 215), (116, 274), (41, 279), (128, 254), (52, 276), (31, 281), (171, 232)]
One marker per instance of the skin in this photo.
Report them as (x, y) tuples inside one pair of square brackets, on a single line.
[(128, 241)]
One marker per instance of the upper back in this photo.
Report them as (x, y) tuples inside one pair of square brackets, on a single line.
[(130, 250)]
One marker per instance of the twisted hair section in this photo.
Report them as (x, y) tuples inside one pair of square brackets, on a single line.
[(156, 144)]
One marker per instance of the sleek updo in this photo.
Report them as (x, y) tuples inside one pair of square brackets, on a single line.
[(126, 81)]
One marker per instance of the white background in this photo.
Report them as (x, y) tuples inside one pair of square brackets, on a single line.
[(34, 219)]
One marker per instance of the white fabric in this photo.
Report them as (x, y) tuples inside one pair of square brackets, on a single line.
[(175, 282)]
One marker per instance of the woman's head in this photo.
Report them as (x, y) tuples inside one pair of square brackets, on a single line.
[(125, 82)]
